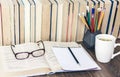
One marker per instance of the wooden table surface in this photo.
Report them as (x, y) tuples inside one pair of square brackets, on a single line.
[(111, 69)]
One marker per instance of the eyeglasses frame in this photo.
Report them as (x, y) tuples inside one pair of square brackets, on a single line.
[(15, 54)]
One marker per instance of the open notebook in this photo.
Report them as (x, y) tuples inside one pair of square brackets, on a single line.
[(57, 58)]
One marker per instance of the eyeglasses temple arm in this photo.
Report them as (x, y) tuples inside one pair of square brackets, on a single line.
[(12, 48)]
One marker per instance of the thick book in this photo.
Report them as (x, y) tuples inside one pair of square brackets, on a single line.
[(65, 20), (81, 26), (117, 23), (32, 20), (27, 20), (53, 19), (21, 21), (38, 19), (75, 20), (112, 17), (57, 58), (6, 27), (11, 24), (45, 28), (106, 16), (16, 22), (69, 20), (1, 25), (59, 25)]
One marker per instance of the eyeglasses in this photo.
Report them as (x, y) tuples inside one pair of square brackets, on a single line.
[(35, 53)]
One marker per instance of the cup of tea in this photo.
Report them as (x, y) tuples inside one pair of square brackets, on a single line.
[(104, 47)]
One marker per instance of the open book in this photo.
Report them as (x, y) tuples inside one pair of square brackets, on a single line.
[(57, 58)]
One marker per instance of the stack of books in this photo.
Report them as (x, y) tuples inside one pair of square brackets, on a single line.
[(23, 21)]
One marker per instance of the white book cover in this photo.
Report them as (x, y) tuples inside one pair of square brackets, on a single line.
[(6, 25), (1, 25), (32, 20), (59, 20), (68, 62), (38, 19), (11, 11), (16, 21), (27, 20)]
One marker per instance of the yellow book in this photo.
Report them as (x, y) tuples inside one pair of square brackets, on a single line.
[(6, 23), (53, 18), (12, 27), (38, 19), (75, 20), (106, 16), (1, 25), (70, 20), (65, 20), (112, 16), (27, 20), (16, 21), (59, 20), (117, 23), (81, 26), (45, 28), (32, 20), (22, 21)]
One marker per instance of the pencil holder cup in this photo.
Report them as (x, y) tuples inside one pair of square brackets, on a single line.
[(89, 39)]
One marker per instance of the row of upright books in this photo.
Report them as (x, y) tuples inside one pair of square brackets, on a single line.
[(52, 20)]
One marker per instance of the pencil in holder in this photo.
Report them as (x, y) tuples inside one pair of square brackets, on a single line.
[(89, 39)]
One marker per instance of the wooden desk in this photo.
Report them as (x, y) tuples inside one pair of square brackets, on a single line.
[(111, 69)]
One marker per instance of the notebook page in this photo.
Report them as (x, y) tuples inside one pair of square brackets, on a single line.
[(50, 57), (86, 61), (67, 61)]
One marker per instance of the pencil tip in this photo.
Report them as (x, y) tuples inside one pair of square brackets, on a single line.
[(87, 8), (83, 13), (79, 14)]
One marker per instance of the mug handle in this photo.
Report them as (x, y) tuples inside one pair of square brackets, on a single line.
[(117, 44)]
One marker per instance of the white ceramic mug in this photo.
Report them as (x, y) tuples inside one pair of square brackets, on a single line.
[(104, 47)]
